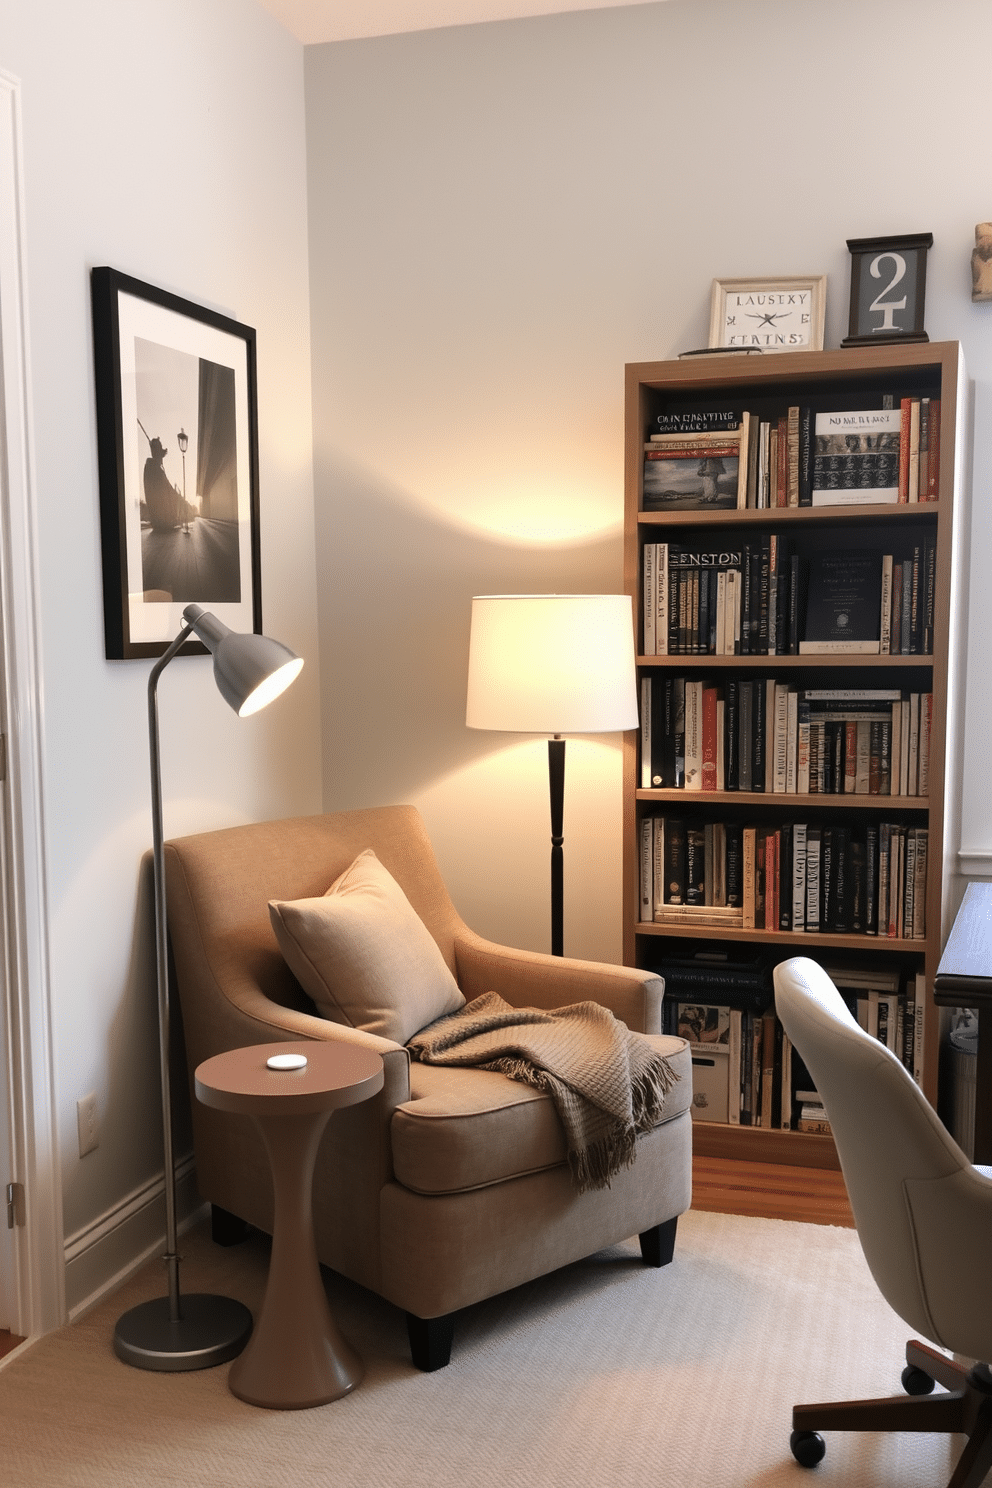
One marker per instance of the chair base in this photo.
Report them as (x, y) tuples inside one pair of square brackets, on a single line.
[(967, 1409)]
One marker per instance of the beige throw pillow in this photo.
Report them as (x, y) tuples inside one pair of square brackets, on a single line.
[(364, 955)]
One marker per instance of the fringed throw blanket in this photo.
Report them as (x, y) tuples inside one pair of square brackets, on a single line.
[(607, 1083)]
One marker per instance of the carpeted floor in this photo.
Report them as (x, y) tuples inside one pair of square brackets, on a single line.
[(606, 1375)]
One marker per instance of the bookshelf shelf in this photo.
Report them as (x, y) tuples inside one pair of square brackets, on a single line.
[(873, 378), (792, 942), (784, 663), (823, 516), (788, 802)]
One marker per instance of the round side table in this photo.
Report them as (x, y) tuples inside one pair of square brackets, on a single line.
[(296, 1357)]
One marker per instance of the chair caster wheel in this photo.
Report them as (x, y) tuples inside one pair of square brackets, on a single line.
[(808, 1447), (916, 1382)]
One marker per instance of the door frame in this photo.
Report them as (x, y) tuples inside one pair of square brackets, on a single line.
[(29, 1100)]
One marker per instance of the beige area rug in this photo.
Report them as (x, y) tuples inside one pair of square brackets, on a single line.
[(605, 1375)]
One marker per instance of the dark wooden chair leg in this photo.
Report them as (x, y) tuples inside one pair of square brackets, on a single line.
[(226, 1228), (658, 1243), (430, 1340)]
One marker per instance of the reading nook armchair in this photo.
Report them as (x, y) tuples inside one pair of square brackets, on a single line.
[(452, 1184)]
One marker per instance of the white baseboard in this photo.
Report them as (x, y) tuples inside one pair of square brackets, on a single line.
[(975, 863), (102, 1255)]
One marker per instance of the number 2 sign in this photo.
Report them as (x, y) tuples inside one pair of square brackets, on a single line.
[(888, 281)]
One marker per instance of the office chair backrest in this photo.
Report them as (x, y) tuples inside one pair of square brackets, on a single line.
[(923, 1213)]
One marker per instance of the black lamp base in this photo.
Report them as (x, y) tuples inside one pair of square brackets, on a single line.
[(209, 1331)]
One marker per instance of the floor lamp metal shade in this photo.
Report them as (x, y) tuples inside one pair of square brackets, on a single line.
[(552, 664), (193, 1332)]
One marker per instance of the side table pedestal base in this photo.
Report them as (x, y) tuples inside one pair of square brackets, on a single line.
[(296, 1357)]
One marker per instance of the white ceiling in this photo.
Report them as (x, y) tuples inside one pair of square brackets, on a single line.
[(343, 20)]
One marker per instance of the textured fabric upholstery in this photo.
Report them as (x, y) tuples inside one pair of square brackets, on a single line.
[(364, 955), (449, 1185), (465, 1128), (922, 1210)]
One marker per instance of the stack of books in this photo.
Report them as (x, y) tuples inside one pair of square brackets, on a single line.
[(806, 877), (745, 1070), (763, 735), (732, 458), (765, 598)]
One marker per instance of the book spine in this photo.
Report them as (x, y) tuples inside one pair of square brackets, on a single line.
[(661, 600), (695, 867), (678, 733), (919, 920), (675, 862), (708, 776), (806, 437), (827, 885), (658, 865), (872, 880), (933, 463), (735, 865), (646, 730), (813, 846), (885, 632), (749, 871), (731, 736), (904, 423), (648, 598), (693, 779), (647, 868), (799, 833)]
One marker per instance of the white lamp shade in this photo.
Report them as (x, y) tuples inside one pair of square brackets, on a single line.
[(552, 664)]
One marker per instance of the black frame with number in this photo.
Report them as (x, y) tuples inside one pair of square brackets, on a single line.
[(185, 368), (879, 268)]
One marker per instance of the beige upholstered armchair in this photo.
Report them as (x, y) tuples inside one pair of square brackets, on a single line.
[(452, 1184)]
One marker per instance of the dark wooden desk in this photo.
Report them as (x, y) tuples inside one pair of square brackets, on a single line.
[(964, 979)]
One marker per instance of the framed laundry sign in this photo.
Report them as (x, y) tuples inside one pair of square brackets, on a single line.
[(177, 443)]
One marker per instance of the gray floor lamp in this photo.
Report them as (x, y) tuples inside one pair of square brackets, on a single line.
[(552, 664), (194, 1332)]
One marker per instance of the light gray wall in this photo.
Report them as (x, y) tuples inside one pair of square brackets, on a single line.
[(165, 139), (501, 216)]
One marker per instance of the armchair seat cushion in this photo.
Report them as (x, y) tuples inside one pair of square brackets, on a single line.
[(468, 1128)]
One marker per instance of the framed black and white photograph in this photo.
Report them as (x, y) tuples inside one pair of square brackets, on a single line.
[(780, 314), (888, 284), (177, 443)]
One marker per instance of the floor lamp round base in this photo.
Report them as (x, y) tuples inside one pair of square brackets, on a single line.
[(210, 1331)]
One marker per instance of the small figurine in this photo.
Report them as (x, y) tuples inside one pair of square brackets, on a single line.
[(981, 263)]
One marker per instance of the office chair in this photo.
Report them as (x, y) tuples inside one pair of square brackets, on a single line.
[(924, 1218)]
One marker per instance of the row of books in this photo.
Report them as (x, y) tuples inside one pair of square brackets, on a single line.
[(798, 876), (745, 1070), (762, 735), (762, 598), (732, 458)]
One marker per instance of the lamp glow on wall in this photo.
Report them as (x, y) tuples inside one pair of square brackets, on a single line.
[(552, 664), (199, 1330)]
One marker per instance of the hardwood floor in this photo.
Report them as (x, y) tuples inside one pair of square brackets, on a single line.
[(770, 1190), (8, 1341)]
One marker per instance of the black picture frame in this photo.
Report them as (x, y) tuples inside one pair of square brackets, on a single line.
[(177, 448), (888, 289)]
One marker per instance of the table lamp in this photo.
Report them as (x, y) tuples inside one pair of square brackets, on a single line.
[(179, 1333), (552, 664)]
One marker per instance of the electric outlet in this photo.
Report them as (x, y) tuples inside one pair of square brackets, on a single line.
[(86, 1121)]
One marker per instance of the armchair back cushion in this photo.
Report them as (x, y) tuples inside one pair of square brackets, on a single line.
[(363, 954)]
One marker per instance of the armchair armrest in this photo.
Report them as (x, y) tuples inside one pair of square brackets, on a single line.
[(252, 1018), (531, 979)]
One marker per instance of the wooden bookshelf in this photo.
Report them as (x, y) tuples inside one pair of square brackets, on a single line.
[(856, 377)]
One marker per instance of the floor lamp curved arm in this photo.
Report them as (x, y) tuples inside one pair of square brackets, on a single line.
[(180, 1333)]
